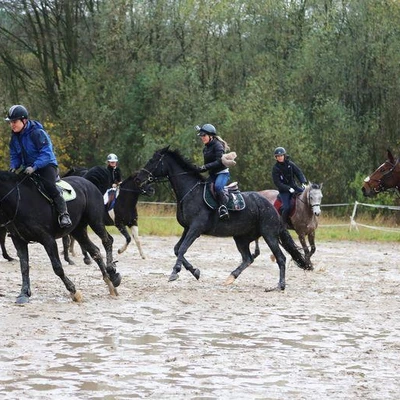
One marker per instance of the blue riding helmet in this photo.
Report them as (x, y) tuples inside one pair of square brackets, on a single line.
[(206, 129)]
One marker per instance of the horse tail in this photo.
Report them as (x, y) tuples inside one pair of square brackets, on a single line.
[(287, 242)]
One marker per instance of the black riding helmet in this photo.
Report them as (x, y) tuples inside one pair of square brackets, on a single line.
[(206, 129), (17, 112), (279, 151)]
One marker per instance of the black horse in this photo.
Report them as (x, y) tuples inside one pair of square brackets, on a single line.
[(258, 218), (124, 214), (29, 217)]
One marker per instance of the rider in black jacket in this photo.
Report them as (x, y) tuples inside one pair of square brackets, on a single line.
[(284, 174), (214, 148)]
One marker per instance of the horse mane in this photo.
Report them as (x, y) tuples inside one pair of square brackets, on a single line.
[(10, 176), (100, 177), (183, 161)]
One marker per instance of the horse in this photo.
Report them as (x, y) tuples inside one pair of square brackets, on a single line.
[(124, 212), (29, 217), (304, 220), (385, 177), (258, 218)]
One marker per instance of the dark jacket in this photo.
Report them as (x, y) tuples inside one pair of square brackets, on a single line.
[(285, 174), (32, 147), (212, 153), (115, 175)]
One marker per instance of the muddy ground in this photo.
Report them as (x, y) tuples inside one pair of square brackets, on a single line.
[(333, 334)]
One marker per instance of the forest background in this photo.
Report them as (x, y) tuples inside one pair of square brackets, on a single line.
[(318, 77)]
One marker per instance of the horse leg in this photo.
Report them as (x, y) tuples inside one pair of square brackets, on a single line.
[(23, 255), (110, 276), (135, 235), (125, 234), (243, 245), (189, 267), (302, 239), (256, 250), (273, 244), (66, 245), (311, 240), (50, 246), (3, 234)]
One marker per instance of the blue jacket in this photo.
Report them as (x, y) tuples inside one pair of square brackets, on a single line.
[(32, 147)]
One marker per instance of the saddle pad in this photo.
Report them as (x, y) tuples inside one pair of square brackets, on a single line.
[(235, 202), (67, 191)]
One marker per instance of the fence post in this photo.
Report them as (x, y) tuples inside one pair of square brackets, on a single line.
[(353, 223)]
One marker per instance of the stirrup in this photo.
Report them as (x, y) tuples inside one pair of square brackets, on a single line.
[(64, 220), (223, 212)]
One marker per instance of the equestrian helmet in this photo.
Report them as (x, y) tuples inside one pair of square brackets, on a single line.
[(279, 151), (206, 129), (17, 112), (112, 158)]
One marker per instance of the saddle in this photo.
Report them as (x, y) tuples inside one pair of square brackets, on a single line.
[(66, 190), (235, 199)]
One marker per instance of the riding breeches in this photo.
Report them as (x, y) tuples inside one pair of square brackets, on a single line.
[(49, 175)]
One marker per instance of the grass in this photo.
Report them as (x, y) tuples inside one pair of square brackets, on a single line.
[(160, 220)]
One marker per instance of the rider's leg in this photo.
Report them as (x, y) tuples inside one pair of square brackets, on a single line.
[(285, 197), (220, 182)]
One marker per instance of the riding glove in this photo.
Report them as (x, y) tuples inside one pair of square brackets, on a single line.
[(291, 190), (29, 170)]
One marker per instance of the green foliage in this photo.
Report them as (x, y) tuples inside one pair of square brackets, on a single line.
[(129, 77)]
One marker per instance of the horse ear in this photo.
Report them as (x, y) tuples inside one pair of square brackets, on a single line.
[(390, 156), (320, 185)]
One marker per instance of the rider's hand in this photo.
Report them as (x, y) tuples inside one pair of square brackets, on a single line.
[(291, 190), (202, 168), (29, 170)]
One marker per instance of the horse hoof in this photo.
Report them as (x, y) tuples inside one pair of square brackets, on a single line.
[(70, 262), (229, 280), (10, 259), (22, 299), (87, 261), (196, 273), (116, 279), (77, 296), (173, 277)]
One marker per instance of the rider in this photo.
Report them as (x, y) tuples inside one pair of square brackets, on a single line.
[(284, 174), (114, 170), (31, 148), (115, 178), (214, 148)]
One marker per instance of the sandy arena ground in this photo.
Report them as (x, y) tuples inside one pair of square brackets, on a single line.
[(333, 334)]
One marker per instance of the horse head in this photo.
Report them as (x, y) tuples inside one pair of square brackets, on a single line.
[(166, 163), (386, 176), (315, 197)]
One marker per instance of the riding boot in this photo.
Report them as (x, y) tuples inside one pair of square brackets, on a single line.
[(64, 220), (222, 209), (285, 218)]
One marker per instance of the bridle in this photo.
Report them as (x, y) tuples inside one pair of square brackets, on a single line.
[(381, 181), (153, 179)]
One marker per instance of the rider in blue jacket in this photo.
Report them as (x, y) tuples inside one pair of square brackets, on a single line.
[(31, 148), (284, 174)]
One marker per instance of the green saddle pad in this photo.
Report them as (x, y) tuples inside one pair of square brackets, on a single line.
[(67, 191), (235, 202)]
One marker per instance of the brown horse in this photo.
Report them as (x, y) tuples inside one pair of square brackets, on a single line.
[(304, 215), (385, 177)]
